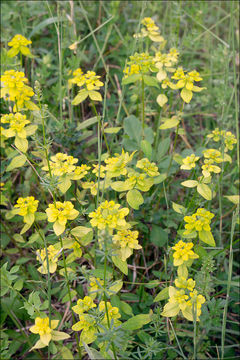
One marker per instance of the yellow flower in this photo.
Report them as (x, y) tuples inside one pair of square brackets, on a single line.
[(84, 305), (183, 253), (59, 213), (116, 166), (194, 305), (186, 83), (138, 181), (189, 162), (108, 215), (183, 283), (14, 88), (229, 140), (91, 83), (53, 255), (95, 284), (139, 64), (43, 328), (126, 241), (19, 43), (216, 134), (150, 168), (27, 208)]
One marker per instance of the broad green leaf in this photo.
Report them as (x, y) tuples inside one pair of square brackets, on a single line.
[(147, 149), (162, 100), (18, 285), (116, 287), (150, 81), (126, 308), (66, 354), (92, 353), (120, 186), (17, 162), (169, 123), (134, 198), (131, 79), (186, 95), (39, 345), (207, 237), (81, 96), (136, 322), (59, 335), (112, 130), (121, 265), (204, 191), (158, 236), (80, 231), (132, 127), (64, 185), (66, 297), (18, 238), (190, 183), (163, 147), (233, 198), (25, 228), (31, 129), (164, 294), (179, 208), (160, 178)]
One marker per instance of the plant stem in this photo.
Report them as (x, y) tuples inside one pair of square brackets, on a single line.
[(143, 107)]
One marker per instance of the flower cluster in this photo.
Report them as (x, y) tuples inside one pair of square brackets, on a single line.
[(27, 207), (186, 83), (90, 323), (199, 223), (125, 241), (16, 128), (59, 213), (186, 300), (149, 168), (14, 88), (109, 215), (165, 63), (150, 30), (189, 162), (183, 254), (64, 167), (90, 83), (116, 166), (53, 255), (227, 137), (139, 64), (19, 44), (211, 156)]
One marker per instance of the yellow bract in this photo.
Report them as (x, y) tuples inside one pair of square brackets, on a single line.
[(139, 64), (59, 213), (27, 208), (43, 328), (83, 305), (109, 215), (199, 221), (150, 168), (14, 88), (90, 83), (150, 30), (19, 44), (183, 253), (116, 166), (53, 255), (126, 241)]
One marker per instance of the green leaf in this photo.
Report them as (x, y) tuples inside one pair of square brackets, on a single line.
[(134, 198), (132, 127), (126, 308), (81, 231), (179, 208), (21, 144), (147, 149), (17, 162), (164, 294), (45, 23), (116, 287), (163, 147), (160, 178), (169, 123), (66, 354), (204, 191), (121, 265), (158, 236), (207, 237), (120, 186), (92, 353), (150, 81), (112, 130), (18, 238), (81, 96), (186, 95), (162, 100), (66, 297), (18, 285), (59, 335), (131, 79), (137, 322), (87, 123)]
